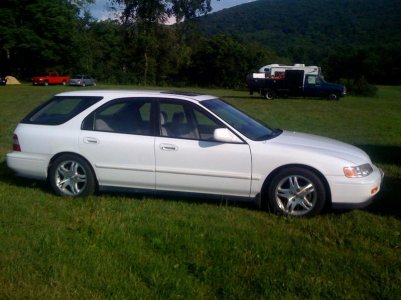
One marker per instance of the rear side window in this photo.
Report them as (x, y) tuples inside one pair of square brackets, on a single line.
[(131, 116), (59, 110)]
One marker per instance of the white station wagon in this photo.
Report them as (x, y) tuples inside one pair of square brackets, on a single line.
[(164, 141)]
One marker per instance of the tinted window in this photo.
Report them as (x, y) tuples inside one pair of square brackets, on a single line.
[(180, 120), (59, 110), (131, 116), (311, 79)]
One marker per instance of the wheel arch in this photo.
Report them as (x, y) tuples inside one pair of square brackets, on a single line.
[(334, 96), (71, 153), (264, 201)]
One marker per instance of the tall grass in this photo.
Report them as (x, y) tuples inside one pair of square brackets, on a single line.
[(124, 246)]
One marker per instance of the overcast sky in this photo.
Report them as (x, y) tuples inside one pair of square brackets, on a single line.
[(100, 11)]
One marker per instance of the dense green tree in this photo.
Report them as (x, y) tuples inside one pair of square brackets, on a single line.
[(101, 46), (146, 36), (38, 35), (224, 61), (354, 40)]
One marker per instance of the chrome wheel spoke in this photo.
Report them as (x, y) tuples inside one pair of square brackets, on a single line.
[(284, 193), (306, 190), (71, 178), (295, 195), (291, 205), (74, 188)]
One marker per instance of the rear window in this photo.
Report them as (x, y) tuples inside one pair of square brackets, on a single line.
[(59, 110)]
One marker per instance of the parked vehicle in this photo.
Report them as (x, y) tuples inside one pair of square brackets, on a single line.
[(187, 143), (3, 80), (50, 78), (277, 71), (82, 80), (293, 81)]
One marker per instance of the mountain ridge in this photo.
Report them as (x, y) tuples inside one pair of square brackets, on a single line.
[(310, 30)]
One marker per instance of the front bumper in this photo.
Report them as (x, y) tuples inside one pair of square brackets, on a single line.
[(348, 193)]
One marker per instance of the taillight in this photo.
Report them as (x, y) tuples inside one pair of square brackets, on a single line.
[(16, 146)]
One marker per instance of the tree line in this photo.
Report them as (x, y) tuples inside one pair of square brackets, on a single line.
[(137, 48), (349, 39)]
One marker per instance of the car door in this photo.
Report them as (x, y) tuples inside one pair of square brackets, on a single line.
[(118, 140), (188, 159), (312, 86)]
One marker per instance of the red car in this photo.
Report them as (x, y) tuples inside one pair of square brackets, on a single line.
[(50, 78)]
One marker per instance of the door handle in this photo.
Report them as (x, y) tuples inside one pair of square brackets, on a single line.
[(168, 147), (91, 140)]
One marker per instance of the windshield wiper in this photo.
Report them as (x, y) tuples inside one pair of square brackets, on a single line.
[(275, 132)]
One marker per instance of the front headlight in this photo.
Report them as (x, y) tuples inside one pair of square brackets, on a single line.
[(358, 171)]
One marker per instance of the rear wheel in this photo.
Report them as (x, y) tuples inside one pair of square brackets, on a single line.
[(296, 191), (71, 175), (46, 83), (268, 94)]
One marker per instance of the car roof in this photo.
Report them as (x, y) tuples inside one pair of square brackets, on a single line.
[(140, 93)]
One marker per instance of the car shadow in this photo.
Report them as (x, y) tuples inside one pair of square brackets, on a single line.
[(383, 154), (387, 202), (8, 177)]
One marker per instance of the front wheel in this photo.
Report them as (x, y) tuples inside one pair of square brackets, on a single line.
[(70, 175), (333, 97), (296, 191)]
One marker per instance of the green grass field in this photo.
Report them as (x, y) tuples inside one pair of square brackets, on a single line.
[(124, 246)]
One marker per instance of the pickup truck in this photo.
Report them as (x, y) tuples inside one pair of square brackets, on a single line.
[(50, 78), (294, 83)]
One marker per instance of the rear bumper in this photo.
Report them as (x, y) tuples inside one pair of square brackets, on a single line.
[(28, 164)]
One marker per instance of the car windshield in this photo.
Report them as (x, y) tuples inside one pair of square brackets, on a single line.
[(76, 77), (249, 127)]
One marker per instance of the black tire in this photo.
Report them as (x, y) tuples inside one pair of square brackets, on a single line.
[(333, 97), (296, 191), (71, 175), (269, 95)]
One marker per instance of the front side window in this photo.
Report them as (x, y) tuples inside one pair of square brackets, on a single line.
[(131, 116), (183, 120), (59, 110), (312, 80)]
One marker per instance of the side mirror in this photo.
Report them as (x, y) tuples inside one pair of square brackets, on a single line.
[(226, 136)]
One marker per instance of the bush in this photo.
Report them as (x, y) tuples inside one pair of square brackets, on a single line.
[(359, 87)]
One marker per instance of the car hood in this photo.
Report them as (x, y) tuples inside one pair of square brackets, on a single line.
[(322, 146)]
